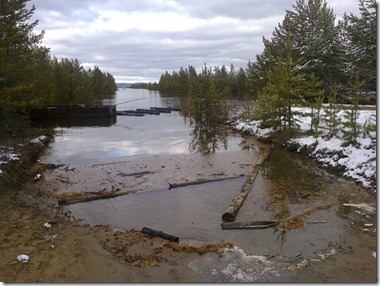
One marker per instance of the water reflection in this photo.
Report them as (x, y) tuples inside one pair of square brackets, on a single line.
[(93, 141), (75, 122), (208, 138), (292, 184)]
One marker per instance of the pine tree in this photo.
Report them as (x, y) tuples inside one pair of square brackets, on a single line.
[(330, 116), (352, 128), (283, 90), (314, 96), (360, 43), (316, 40), (17, 45)]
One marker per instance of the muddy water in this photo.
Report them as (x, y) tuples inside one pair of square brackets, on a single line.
[(334, 243), (286, 186)]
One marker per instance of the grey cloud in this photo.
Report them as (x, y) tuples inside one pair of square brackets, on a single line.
[(235, 37)]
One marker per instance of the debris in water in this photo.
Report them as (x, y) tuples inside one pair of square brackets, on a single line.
[(208, 247), (297, 222), (317, 221), (153, 232)]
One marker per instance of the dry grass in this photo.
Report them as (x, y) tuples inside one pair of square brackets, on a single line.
[(208, 247), (297, 222)]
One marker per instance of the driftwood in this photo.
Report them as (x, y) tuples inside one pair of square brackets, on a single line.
[(138, 174), (153, 232), (89, 196), (234, 207), (174, 185), (249, 225)]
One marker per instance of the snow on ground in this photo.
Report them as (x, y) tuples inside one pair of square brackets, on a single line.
[(8, 153), (358, 161)]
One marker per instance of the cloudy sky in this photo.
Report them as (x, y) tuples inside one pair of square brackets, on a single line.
[(140, 40)]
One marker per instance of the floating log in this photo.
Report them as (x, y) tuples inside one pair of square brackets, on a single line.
[(129, 113), (177, 185), (236, 204), (153, 232), (148, 111), (249, 225)]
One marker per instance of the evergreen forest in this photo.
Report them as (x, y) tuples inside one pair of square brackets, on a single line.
[(30, 76), (312, 58)]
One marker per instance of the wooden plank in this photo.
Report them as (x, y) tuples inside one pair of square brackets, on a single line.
[(249, 225)]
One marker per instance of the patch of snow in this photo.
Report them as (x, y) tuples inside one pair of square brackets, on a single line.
[(357, 161), (23, 258), (39, 139), (47, 225)]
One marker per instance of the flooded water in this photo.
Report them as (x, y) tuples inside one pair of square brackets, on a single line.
[(167, 133), (287, 185)]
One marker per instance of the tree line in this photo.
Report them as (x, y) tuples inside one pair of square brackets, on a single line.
[(334, 52), (29, 76), (311, 60)]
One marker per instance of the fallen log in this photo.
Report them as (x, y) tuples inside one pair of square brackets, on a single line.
[(137, 174), (249, 225), (153, 232), (177, 185), (237, 202), (88, 197)]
